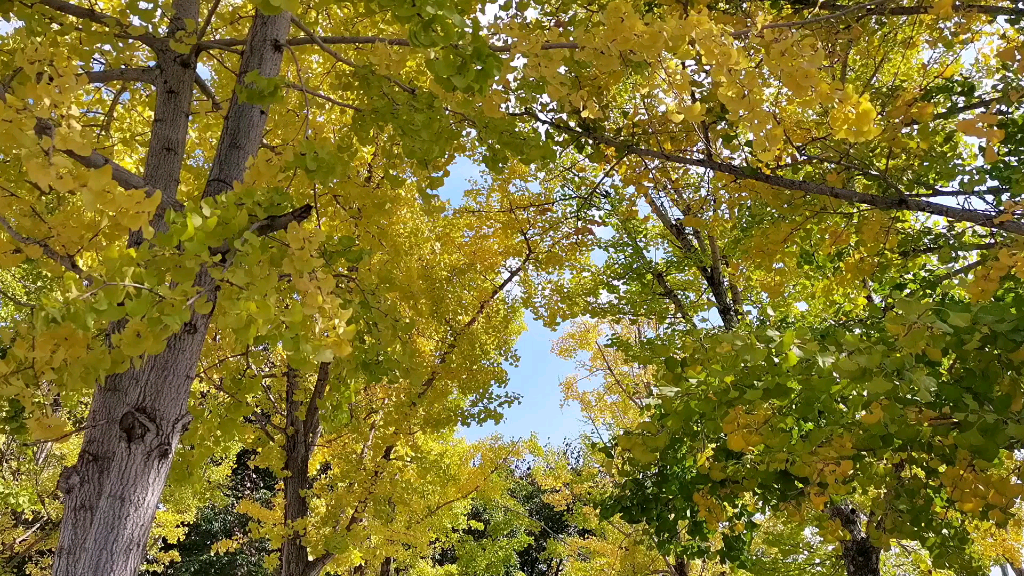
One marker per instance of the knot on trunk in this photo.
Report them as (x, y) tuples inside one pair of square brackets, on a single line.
[(850, 518), (68, 480), (861, 556), (135, 426)]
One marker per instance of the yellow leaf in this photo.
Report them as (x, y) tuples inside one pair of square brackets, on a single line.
[(818, 499), (39, 172), (1008, 54), (32, 251), (942, 8), (874, 415), (46, 427), (735, 442), (100, 178), (991, 156), (1017, 356)]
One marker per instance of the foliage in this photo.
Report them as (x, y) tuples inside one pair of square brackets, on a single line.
[(800, 226)]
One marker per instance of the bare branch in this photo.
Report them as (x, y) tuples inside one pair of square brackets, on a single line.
[(959, 8), (955, 112), (98, 17), (269, 225), (66, 435), (207, 91), (799, 23), (225, 43), (145, 75), (324, 97), (323, 46)]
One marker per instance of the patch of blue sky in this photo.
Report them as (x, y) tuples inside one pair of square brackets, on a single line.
[(538, 375)]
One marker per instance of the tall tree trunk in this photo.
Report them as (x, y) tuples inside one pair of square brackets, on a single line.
[(294, 553), (138, 416), (302, 432), (861, 557)]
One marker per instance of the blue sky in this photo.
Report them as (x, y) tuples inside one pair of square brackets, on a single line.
[(536, 379)]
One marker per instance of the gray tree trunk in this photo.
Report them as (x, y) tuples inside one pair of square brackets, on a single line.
[(137, 417), (861, 557)]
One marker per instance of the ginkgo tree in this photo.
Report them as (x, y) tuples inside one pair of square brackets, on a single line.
[(371, 474), (751, 248), (834, 165), (170, 168)]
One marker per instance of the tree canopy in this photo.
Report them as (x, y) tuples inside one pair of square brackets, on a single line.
[(785, 237)]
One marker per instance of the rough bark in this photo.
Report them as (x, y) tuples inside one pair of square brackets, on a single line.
[(303, 431), (861, 557), (294, 553), (137, 417)]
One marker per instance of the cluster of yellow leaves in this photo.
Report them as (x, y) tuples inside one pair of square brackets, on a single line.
[(971, 488), (743, 430), (988, 277), (982, 127), (853, 118)]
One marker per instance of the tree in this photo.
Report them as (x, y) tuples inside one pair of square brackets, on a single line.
[(753, 134), (155, 258), (752, 197)]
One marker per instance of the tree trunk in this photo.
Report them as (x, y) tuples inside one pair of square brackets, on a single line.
[(387, 567), (861, 557), (137, 417), (302, 432), (294, 553)]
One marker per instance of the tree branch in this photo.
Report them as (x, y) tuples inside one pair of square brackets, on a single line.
[(799, 23), (225, 43), (959, 8), (311, 421), (83, 13), (454, 342), (67, 262), (124, 177), (324, 97), (887, 203), (15, 300), (207, 91), (269, 225), (145, 75), (323, 46)]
